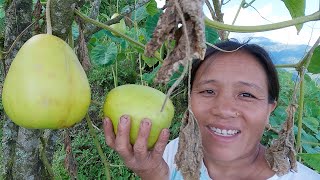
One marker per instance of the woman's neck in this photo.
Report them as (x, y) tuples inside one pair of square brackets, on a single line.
[(251, 166)]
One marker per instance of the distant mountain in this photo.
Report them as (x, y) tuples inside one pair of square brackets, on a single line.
[(281, 53)]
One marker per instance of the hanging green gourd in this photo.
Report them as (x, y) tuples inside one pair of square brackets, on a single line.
[(46, 86)]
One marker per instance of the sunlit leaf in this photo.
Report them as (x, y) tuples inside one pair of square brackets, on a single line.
[(152, 8), (296, 9), (312, 160), (104, 55), (314, 66)]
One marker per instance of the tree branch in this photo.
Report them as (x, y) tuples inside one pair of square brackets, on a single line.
[(211, 10), (94, 12), (219, 16)]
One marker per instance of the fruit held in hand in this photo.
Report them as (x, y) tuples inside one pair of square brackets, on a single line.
[(119, 27), (46, 86), (139, 102)]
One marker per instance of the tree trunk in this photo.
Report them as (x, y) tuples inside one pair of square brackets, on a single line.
[(21, 158), (18, 17), (62, 16)]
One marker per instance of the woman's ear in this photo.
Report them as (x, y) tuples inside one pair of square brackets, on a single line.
[(272, 106)]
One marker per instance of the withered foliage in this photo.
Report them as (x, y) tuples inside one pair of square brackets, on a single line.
[(281, 154), (168, 29), (189, 156)]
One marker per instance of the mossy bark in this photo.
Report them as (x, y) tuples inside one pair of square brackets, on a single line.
[(21, 146), (62, 16), (18, 17)]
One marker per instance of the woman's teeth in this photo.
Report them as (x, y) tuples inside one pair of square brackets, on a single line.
[(224, 132)]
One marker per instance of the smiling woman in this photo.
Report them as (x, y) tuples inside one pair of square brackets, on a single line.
[(232, 96)]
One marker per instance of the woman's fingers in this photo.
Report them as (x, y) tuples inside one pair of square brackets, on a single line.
[(137, 157), (140, 147), (122, 142), (108, 132), (160, 145)]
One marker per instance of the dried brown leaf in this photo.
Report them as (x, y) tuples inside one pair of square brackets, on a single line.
[(168, 29), (190, 155), (281, 154)]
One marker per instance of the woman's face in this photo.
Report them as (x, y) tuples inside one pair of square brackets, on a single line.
[(229, 99)]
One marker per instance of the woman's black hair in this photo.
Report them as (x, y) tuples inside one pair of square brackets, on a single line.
[(257, 51)]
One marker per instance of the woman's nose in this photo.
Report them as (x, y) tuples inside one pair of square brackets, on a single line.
[(225, 107)]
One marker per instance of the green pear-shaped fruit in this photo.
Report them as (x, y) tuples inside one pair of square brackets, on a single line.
[(46, 86), (139, 102), (119, 27)]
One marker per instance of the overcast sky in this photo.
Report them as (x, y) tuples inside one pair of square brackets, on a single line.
[(273, 11)]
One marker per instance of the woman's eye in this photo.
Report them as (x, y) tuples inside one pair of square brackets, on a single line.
[(207, 92), (247, 95)]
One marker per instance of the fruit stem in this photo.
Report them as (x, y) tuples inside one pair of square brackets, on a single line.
[(44, 158), (98, 146), (48, 18)]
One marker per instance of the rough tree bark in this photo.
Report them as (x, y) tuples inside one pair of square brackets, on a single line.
[(21, 146), (18, 143), (62, 16)]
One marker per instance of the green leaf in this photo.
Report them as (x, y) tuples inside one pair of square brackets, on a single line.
[(308, 137), (151, 24), (140, 14), (318, 136), (312, 160), (150, 61), (279, 116), (312, 108), (308, 148), (211, 35), (104, 55), (152, 8), (296, 9), (314, 66), (312, 123)]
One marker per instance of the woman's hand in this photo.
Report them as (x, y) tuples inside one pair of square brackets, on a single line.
[(146, 164)]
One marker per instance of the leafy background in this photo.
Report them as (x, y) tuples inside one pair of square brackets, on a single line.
[(116, 62)]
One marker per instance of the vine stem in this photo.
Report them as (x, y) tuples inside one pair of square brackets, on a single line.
[(106, 27), (98, 146), (286, 65), (48, 18), (232, 28), (303, 65), (300, 111), (44, 158)]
